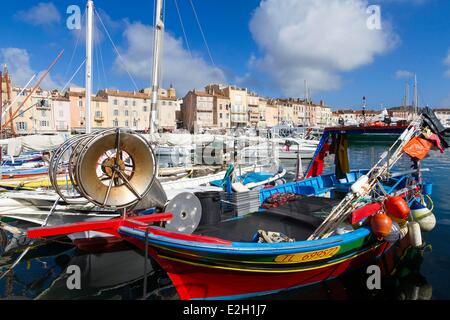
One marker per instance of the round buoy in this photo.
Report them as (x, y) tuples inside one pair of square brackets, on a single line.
[(381, 225), (397, 208), (423, 216), (395, 234)]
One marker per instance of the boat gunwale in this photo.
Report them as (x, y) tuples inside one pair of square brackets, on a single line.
[(247, 247)]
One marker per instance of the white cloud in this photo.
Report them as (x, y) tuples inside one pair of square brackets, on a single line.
[(42, 14), (19, 66), (315, 40), (404, 74), (179, 68)]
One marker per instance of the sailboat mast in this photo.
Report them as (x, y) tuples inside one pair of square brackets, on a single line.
[(89, 41), (416, 97), (159, 29)]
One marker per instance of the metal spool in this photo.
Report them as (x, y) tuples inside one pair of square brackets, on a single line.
[(58, 166), (114, 169), (187, 213)]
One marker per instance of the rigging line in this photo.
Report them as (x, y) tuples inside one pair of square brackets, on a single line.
[(97, 63), (76, 47), (74, 75), (117, 51), (203, 34), (182, 28), (103, 67)]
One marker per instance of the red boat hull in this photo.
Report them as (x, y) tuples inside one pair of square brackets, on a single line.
[(196, 282)]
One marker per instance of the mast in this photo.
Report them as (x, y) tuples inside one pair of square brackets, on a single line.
[(8, 97), (89, 41), (416, 97), (1, 112), (159, 29)]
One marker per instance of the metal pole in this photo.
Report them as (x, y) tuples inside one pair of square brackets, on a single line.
[(159, 29), (1, 112), (89, 42)]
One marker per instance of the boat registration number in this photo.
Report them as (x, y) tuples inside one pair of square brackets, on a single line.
[(308, 256)]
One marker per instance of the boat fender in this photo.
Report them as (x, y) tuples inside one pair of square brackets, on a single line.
[(395, 234), (397, 208), (403, 231), (421, 214), (361, 187), (415, 234), (381, 225)]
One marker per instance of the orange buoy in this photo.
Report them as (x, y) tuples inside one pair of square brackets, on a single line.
[(397, 208), (381, 225)]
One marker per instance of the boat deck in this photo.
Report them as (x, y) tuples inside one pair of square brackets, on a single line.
[(297, 219)]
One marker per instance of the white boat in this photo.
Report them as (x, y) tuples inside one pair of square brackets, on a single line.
[(283, 149)]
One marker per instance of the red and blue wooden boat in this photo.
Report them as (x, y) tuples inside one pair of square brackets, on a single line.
[(223, 261)]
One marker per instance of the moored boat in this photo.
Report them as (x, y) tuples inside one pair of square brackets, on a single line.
[(305, 232)]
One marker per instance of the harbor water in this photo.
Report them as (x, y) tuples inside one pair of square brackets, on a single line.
[(118, 273)]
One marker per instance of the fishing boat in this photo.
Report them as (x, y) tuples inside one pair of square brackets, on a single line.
[(305, 232)]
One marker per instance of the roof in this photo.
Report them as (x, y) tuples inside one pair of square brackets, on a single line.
[(123, 94)]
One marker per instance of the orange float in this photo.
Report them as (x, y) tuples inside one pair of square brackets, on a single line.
[(397, 208), (381, 225)]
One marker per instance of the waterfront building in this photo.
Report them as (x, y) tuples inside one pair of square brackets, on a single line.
[(198, 111), (443, 114)]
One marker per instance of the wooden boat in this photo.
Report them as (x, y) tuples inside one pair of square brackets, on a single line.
[(224, 262), (326, 229)]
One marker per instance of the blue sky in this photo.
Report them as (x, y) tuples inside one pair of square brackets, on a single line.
[(269, 46)]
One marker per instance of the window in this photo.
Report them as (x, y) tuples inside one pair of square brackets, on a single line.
[(145, 108), (127, 123), (134, 103), (21, 126), (97, 104), (61, 113), (135, 123), (126, 113), (98, 114), (116, 102), (170, 103), (116, 123), (44, 123), (116, 113), (163, 103), (126, 103), (22, 114), (80, 103)]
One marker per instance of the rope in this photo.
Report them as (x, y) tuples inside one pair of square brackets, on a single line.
[(76, 47), (117, 51), (203, 34), (182, 28)]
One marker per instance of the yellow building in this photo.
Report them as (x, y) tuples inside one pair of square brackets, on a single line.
[(272, 114), (222, 112), (99, 110)]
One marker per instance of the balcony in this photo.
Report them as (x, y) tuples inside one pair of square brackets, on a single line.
[(99, 119)]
